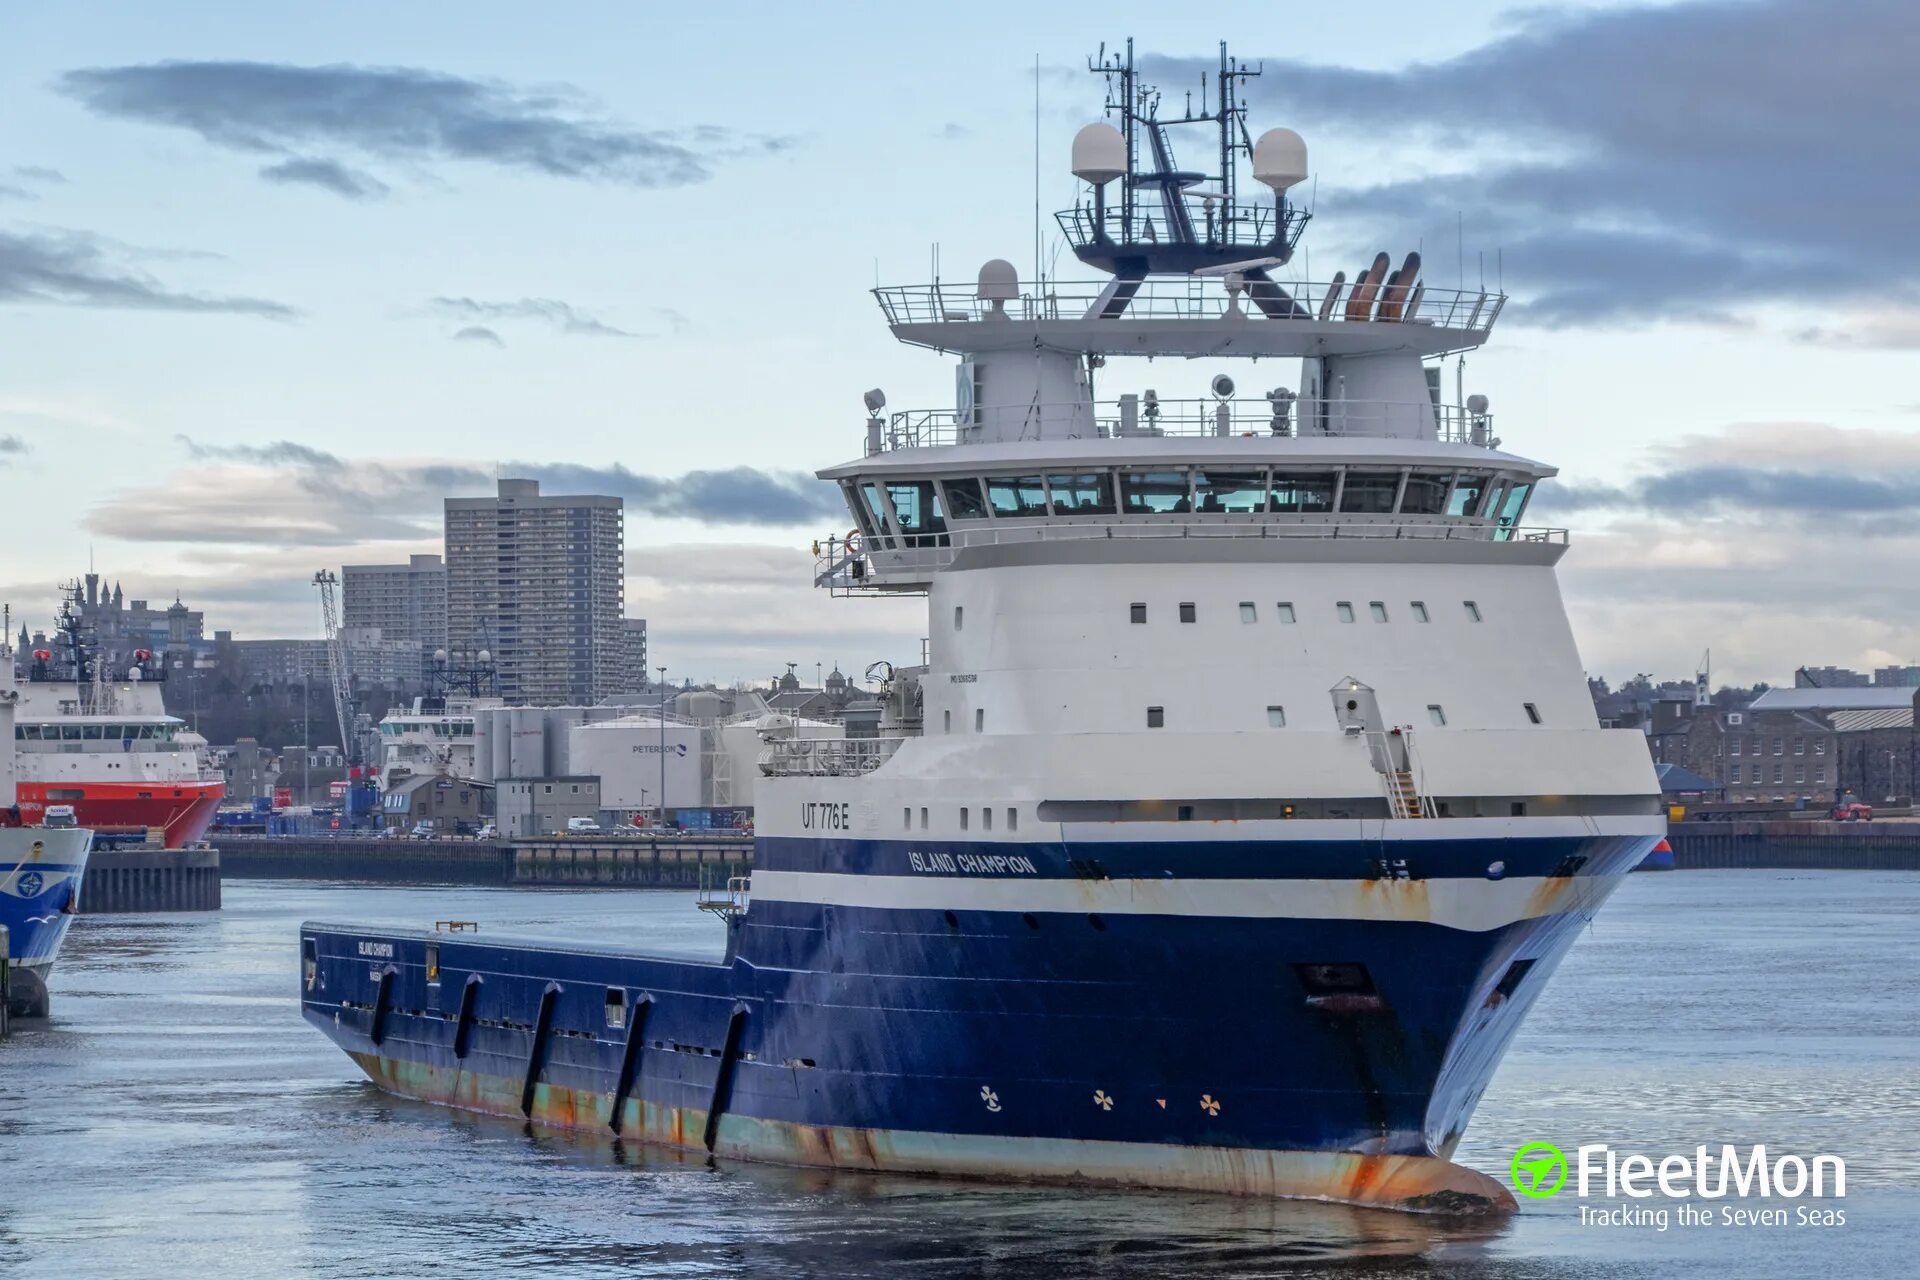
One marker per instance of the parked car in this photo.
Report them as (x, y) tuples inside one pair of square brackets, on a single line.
[(423, 831), (486, 831)]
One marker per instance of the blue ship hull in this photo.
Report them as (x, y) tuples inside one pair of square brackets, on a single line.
[(1259, 1051), (41, 870)]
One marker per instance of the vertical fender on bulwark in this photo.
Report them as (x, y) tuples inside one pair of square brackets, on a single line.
[(463, 1025), (630, 1060), (537, 1051), (723, 1076), (382, 997)]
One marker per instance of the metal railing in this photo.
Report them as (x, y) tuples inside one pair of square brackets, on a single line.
[(855, 564), (826, 757), (1215, 223), (1135, 417), (1191, 298)]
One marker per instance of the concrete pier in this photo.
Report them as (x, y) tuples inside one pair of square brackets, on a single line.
[(668, 862), (1802, 845), (630, 861), (139, 878)]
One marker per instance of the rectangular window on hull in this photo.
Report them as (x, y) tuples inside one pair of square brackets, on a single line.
[(1284, 611), (1379, 610), (1345, 609), (1276, 717), (1156, 717), (1533, 712), (1137, 612), (1419, 609), (963, 819), (1247, 612), (1187, 611), (1436, 713)]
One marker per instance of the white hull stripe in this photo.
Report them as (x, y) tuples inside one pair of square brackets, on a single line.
[(1474, 906)]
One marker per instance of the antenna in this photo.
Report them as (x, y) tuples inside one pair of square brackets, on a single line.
[(1036, 171)]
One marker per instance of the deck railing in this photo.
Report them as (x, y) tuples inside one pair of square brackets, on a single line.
[(1192, 298), (826, 757), (1134, 417), (853, 564)]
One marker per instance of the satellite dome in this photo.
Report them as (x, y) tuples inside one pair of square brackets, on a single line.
[(1476, 404), (484, 657), (440, 655), (999, 281), (1099, 154), (1280, 159)]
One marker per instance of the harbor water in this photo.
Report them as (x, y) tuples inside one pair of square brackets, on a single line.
[(177, 1116)]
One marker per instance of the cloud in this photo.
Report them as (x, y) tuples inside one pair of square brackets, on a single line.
[(76, 269), (479, 333), (406, 115), (954, 132), (22, 174), (12, 447), (562, 316), (1722, 539), (283, 493), (328, 175), (1671, 161)]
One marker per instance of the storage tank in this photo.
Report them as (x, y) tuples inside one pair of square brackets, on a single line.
[(483, 747), (526, 746), (744, 740), (625, 755)]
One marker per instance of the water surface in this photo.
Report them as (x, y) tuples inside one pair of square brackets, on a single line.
[(177, 1116)]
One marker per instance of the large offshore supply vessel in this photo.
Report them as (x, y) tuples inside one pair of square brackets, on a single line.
[(1246, 798)]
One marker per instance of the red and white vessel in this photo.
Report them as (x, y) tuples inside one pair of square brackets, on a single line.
[(108, 748)]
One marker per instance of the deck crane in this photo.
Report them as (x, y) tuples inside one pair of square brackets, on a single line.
[(357, 803)]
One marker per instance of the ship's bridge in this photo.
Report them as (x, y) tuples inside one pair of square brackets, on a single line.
[(917, 511)]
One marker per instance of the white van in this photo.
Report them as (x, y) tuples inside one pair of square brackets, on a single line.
[(582, 826)]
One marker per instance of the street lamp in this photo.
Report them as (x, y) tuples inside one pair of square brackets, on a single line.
[(663, 746)]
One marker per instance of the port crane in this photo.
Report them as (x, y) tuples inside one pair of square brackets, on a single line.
[(357, 804)]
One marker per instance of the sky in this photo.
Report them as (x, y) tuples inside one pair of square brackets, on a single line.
[(274, 282)]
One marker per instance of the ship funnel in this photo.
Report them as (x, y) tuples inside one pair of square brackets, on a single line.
[(1279, 159), (1099, 154)]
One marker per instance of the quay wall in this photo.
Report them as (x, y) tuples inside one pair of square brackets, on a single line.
[(148, 878), (1796, 845), (623, 861)]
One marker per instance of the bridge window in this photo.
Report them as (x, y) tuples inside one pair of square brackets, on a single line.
[(1426, 494), (1081, 495), (1156, 717), (1301, 494), (1229, 492), (1148, 493), (1017, 496), (1514, 503), (1465, 499), (1369, 493), (876, 513), (965, 501), (917, 506)]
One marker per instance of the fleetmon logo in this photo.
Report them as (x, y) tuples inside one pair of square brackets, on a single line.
[(1539, 1170)]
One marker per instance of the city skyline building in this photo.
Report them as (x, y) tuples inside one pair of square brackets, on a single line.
[(538, 580), (406, 602)]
